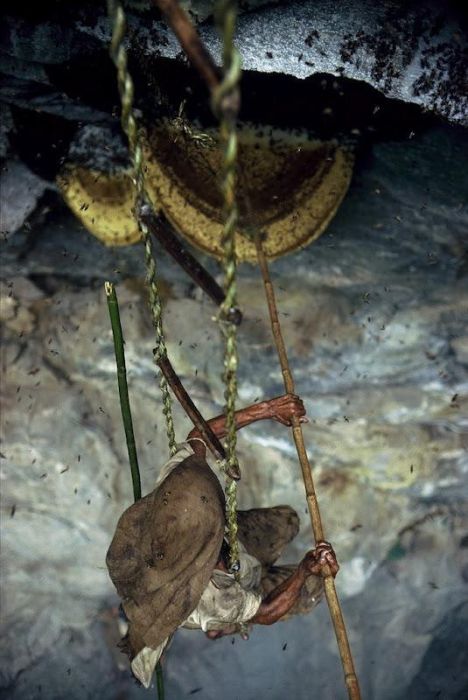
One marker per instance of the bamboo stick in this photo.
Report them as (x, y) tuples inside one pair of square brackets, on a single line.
[(336, 614), (188, 38), (114, 314), (213, 443), (113, 306)]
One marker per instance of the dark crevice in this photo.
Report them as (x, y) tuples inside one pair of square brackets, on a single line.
[(325, 105)]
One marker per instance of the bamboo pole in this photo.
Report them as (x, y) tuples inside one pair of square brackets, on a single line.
[(114, 314), (314, 511), (213, 443), (113, 306)]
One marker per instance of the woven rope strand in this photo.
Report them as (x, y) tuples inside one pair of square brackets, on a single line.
[(125, 84), (225, 103)]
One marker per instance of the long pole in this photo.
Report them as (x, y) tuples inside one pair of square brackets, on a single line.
[(114, 314), (336, 614), (113, 307)]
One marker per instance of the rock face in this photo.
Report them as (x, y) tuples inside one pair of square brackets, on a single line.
[(416, 52), (375, 316)]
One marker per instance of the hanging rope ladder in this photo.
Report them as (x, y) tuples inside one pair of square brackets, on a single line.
[(225, 103)]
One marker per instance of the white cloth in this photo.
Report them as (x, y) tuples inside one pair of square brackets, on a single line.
[(223, 602)]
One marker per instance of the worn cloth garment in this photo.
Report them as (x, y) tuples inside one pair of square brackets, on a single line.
[(263, 535), (164, 551), (223, 602)]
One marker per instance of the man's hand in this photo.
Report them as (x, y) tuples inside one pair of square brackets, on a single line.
[(284, 408), (317, 558)]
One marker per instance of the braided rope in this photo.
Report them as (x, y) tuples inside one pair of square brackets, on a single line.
[(225, 103), (125, 84)]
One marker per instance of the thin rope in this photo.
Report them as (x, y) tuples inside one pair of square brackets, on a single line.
[(125, 84), (225, 103)]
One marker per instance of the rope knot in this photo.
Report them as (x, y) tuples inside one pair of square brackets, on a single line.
[(233, 315), (159, 353), (226, 99), (234, 568), (229, 316)]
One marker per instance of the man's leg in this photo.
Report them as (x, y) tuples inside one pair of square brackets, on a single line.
[(265, 532)]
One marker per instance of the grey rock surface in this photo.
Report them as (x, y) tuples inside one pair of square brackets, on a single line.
[(6, 124), (20, 191), (411, 51), (415, 52), (375, 315)]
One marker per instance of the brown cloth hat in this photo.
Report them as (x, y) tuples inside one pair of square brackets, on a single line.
[(164, 551)]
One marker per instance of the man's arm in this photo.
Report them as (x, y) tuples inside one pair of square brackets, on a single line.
[(281, 409), (281, 599)]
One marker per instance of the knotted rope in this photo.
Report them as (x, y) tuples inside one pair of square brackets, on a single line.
[(225, 104), (125, 84)]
